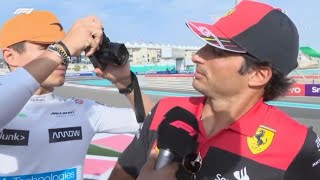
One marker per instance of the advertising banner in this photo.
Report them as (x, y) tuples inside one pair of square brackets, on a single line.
[(296, 90), (312, 89)]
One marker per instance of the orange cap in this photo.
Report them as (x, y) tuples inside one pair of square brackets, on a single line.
[(39, 26)]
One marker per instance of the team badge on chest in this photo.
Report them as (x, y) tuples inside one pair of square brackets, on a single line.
[(261, 140)]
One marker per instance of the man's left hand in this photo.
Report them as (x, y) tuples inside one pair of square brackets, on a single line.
[(118, 75)]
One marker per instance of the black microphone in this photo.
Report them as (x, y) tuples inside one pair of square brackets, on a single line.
[(177, 136)]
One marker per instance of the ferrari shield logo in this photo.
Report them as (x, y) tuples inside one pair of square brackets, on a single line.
[(261, 140)]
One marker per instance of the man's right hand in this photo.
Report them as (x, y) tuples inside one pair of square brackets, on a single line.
[(84, 35), (167, 172)]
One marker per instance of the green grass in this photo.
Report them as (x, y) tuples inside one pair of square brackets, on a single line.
[(99, 151)]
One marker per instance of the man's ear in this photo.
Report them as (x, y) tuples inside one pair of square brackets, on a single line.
[(9, 57), (260, 76)]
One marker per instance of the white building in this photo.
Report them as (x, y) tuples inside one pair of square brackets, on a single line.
[(143, 54)]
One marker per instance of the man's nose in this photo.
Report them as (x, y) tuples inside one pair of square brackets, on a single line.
[(195, 58)]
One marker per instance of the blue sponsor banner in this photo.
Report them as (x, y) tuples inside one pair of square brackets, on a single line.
[(165, 72), (68, 174), (81, 74), (312, 89), (87, 74)]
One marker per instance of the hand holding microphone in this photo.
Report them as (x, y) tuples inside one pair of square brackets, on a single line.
[(177, 136), (148, 172), (177, 140)]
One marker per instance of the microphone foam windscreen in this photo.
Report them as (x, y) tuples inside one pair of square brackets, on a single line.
[(178, 132)]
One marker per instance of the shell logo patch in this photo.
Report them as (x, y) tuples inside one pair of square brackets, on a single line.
[(261, 140)]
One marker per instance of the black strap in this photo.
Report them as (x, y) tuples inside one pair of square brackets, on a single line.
[(138, 102)]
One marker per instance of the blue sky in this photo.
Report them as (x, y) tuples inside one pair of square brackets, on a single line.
[(162, 21)]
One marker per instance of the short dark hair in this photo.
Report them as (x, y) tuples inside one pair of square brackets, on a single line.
[(19, 47), (277, 86)]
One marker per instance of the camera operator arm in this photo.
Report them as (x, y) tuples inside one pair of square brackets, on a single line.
[(112, 60), (141, 103)]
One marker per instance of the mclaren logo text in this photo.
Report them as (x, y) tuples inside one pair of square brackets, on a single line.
[(63, 113), (65, 134)]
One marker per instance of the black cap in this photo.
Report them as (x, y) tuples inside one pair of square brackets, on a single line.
[(255, 28)]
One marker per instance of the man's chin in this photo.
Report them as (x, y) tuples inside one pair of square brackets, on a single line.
[(53, 84), (196, 86), (60, 81), (60, 84)]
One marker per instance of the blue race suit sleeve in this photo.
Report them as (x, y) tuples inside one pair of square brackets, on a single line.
[(16, 88)]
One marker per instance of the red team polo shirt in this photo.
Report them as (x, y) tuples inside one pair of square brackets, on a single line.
[(263, 144)]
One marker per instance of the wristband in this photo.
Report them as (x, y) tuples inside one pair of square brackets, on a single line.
[(64, 48), (129, 88), (60, 52)]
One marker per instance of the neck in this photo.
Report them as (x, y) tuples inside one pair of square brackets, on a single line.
[(41, 90), (220, 113), (44, 90)]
